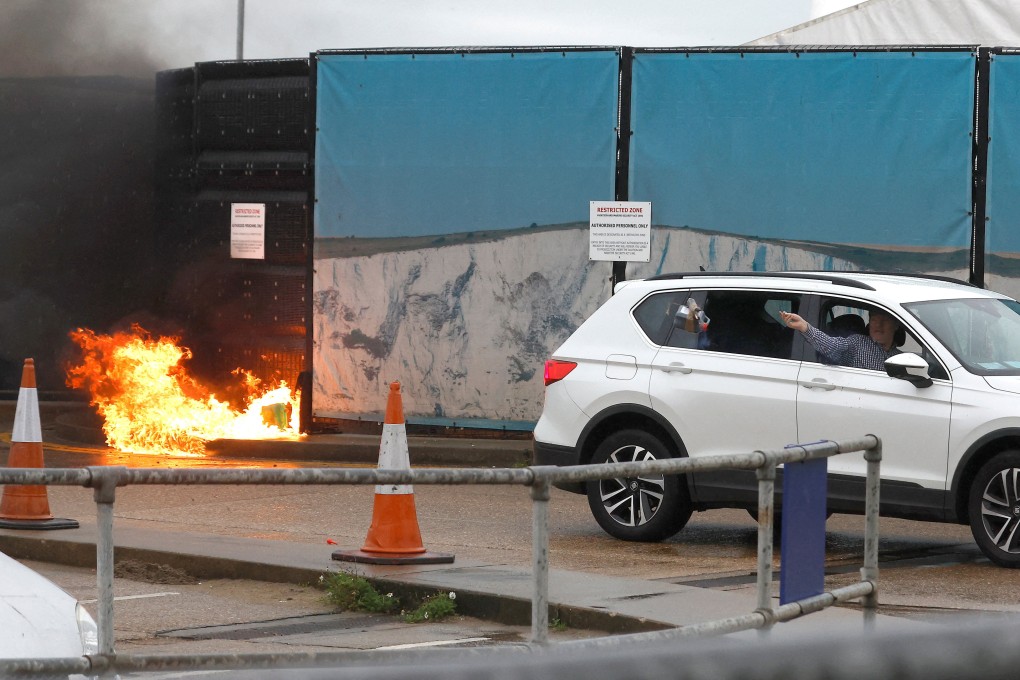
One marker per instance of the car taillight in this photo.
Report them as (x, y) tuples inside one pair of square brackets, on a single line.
[(557, 370)]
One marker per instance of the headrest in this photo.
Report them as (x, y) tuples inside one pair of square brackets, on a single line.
[(845, 325)]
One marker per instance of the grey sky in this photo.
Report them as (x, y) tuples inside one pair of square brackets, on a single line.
[(135, 37)]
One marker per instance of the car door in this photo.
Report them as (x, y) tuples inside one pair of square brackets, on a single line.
[(840, 402), (729, 386)]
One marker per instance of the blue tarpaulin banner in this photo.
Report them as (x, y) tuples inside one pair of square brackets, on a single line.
[(1002, 233), (437, 143), (449, 185), (452, 200), (835, 147)]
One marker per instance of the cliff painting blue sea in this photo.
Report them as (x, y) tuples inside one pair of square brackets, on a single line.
[(466, 321)]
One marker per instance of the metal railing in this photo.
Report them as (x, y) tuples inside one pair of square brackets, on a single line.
[(105, 480)]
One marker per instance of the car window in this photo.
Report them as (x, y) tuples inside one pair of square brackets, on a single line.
[(983, 333), (656, 315), (844, 318), (746, 322)]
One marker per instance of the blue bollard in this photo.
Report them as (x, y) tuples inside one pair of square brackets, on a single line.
[(802, 572)]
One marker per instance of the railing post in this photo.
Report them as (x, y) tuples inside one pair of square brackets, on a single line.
[(766, 502), (869, 572), (104, 486), (540, 560)]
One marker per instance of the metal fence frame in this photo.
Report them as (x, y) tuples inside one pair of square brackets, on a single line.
[(104, 481)]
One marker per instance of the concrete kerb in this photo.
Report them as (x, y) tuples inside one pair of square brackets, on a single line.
[(500, 608), (364, 449)]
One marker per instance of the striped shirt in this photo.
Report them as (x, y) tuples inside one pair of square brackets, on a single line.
[(858, 351)]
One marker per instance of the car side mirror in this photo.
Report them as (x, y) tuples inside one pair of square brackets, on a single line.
[(910, 367)]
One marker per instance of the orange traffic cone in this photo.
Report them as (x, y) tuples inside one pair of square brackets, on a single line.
[(27, 507), (393, 537)]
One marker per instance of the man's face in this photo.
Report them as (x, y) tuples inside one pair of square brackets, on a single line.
[(882, 328)]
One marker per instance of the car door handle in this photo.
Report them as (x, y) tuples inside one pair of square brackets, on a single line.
[(818, 384), (676, 367)]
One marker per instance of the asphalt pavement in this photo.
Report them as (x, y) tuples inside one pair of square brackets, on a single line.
[(485, 588)]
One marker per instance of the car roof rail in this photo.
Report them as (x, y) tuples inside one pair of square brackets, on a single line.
[(929, 277), (817, 276)]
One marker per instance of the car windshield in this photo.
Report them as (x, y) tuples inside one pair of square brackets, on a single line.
[(983, 333)]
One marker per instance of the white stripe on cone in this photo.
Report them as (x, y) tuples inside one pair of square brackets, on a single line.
[(393, 456), (26, 417)]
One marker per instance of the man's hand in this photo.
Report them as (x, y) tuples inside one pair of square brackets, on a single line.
[(793, 321)]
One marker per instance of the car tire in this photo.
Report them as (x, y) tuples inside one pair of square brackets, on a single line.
[(647, 508), (994, 508)]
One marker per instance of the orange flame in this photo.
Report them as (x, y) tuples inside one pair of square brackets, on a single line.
[(151, 405)]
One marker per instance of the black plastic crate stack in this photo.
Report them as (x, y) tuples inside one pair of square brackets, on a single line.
[(175, 163), (250, 142)]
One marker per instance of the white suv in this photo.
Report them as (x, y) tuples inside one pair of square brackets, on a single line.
[(707, 363)]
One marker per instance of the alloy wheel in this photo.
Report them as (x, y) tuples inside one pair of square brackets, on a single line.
[(632, 501), (1000, 510)]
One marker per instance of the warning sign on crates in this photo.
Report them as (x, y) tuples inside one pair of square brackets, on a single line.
[(248, 231), (620, 231)]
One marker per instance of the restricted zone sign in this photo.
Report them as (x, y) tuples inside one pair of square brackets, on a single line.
[(620, 231), (248, 231)]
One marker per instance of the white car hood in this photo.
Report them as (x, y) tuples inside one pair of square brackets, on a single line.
[(1006, 383), (37, 617)]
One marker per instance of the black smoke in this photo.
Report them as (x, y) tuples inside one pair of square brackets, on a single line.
[(46, 38), (76, 183)]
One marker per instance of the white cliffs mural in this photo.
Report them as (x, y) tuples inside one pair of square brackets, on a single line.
[(465, 322)]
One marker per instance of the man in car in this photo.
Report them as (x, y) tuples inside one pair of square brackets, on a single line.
[(859, 351)]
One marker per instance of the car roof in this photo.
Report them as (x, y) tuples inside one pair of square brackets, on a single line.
[(36, 615), (892, 287)]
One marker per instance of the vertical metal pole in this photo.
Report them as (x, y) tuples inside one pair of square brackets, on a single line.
[(240, 30), (979, 168), (104, 484), (311, 124), (766, 502), (540, 561), (104, 575), (621, 191), (869, 572)]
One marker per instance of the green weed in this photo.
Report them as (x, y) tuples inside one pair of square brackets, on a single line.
[(350, 592), (433, 608)]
